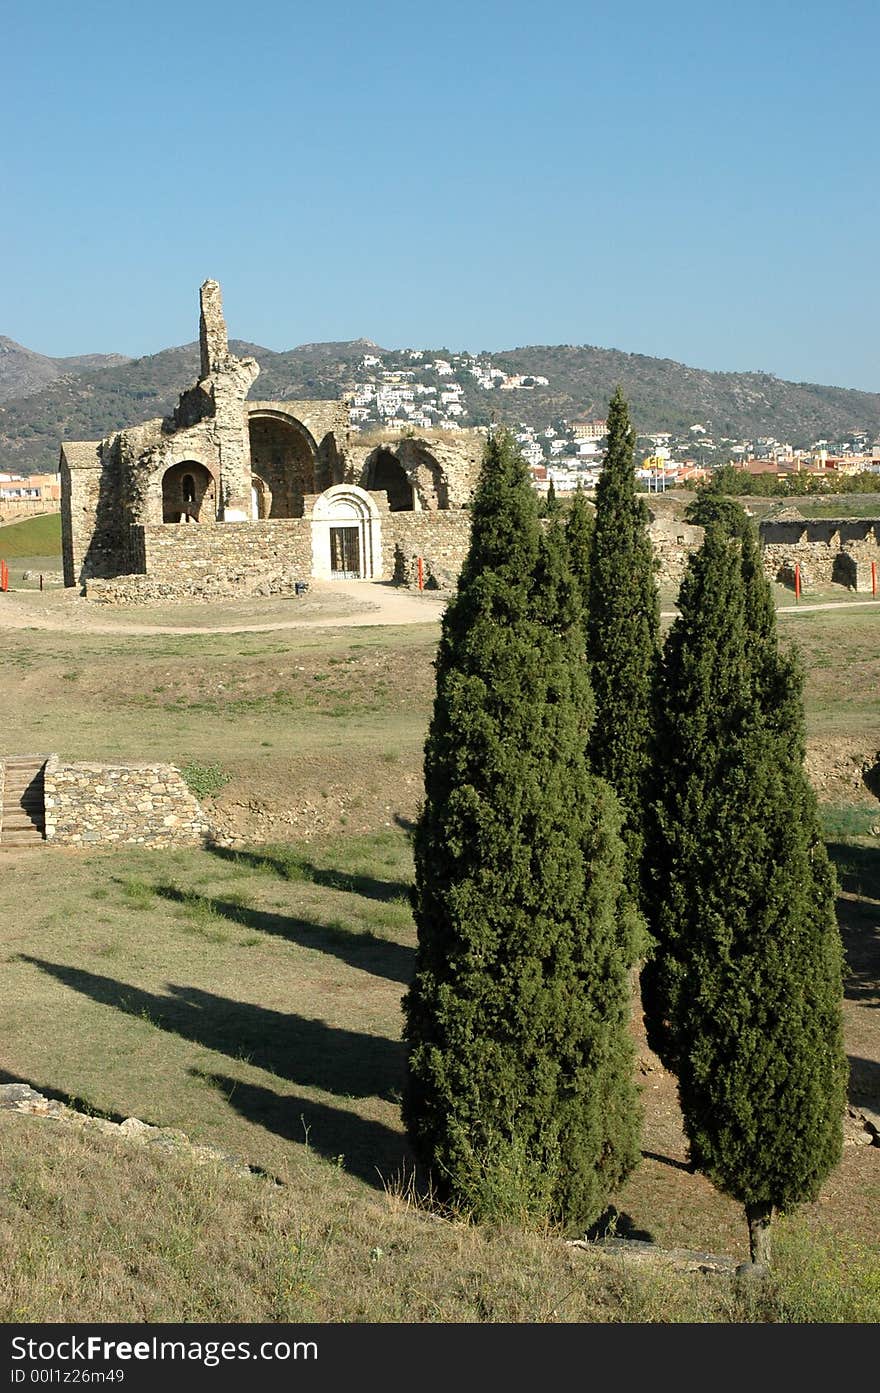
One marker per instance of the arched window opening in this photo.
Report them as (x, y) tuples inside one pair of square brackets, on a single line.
[(189, 493)]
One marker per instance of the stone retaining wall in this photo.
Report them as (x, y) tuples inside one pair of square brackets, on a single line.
[(144, 804)]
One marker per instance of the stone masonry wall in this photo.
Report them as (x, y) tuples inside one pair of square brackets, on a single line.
[(212, 560), (143, 804), (441, 539), (833, 550), (673, 542)]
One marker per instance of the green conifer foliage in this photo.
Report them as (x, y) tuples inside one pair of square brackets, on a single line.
[(622, 629), (743, 995), (579, 535), (520, 1095), (554, 507)]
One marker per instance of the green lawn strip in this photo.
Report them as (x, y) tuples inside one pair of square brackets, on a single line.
[(39, 536)]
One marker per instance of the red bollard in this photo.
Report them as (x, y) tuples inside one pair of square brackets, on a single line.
[(4, 576), (797, 581), (874, 579), (421, 571)]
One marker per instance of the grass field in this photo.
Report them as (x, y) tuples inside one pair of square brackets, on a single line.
[(251, 998)]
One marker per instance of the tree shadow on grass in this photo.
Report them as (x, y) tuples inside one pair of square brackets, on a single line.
[(288, 865), (614, 1223), (858, 868), (364, 1148), (864, 1083), (307, 1052), (361, 949)]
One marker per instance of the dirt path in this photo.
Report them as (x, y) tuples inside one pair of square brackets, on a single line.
[(802, 609), (336, 604), (329, 604)]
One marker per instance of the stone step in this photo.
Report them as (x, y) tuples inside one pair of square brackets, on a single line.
[(23, 818)]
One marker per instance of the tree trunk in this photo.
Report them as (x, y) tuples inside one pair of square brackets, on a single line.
[(759, 1217)]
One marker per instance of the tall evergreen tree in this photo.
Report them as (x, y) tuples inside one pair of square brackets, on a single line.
[(623, 623), (553, 506), (743, 996), (520, 1095), (579, 535)]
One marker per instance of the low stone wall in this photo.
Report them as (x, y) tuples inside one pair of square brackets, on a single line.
[(210, 561), (13, 509), (144, 804), (441, 539), (828, 551)]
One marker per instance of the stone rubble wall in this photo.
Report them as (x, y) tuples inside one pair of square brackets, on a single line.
[(21, 1099), (440, 539), (673, 542), (827, 550), (12, 509), (442, 467), (186, 561), (121, 804)]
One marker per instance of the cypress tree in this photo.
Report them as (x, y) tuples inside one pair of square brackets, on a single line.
[(554, 507), (520, 1095), (579, 535), (743, 996), (623, 624)]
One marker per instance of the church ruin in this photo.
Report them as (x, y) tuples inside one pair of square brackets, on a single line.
[(233, 496), (230, 495)]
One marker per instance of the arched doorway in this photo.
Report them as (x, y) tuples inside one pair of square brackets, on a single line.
[(283, 457), (383, 473), (346, 535), (189, 493)]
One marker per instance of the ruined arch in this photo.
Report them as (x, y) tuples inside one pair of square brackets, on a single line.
[(384, 473), (283, 456), (189, 493), (428, 478)]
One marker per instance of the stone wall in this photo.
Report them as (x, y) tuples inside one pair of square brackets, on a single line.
[(673, 542), (834, 550), (143, 804), (440, 539), (237, 550), (12, 509)]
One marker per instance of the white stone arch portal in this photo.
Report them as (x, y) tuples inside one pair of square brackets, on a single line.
[(346, 535)]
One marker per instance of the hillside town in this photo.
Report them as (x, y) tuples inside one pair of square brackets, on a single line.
[(429, 394)]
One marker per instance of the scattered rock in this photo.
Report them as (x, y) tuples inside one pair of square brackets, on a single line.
[(637, 1250), (21, 1098)]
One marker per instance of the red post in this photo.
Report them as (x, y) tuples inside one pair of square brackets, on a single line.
[(874, 579), (797, 580), (421, 571), (4, 576)]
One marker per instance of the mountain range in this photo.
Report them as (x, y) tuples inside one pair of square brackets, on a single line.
[(44, 400)]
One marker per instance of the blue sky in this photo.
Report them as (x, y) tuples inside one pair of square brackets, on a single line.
[(692, 181)]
